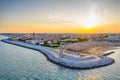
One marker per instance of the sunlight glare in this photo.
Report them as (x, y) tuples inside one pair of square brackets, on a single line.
[(91, 20)]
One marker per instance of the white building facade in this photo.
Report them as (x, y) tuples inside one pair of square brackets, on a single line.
[(113, 38)]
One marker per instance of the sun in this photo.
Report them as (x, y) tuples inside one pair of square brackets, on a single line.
[(89, 23), (91, 19)]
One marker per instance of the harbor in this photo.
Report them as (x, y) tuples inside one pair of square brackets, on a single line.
[(68, 60), (25, 64)]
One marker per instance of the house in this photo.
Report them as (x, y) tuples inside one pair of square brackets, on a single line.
[(113, 38), (15, 38), (41, 42)]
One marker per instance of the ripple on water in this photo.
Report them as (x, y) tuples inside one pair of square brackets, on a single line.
[(17, 63)]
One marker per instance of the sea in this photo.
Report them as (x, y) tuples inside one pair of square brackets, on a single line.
[(18, 63)]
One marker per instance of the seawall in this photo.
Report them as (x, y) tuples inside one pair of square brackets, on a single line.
[(67, 61)]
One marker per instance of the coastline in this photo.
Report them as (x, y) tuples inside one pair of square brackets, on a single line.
[(53, 56)]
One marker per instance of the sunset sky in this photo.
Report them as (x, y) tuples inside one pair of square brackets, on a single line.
[(59, 16)]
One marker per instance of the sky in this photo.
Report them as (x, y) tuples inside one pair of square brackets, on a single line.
[(60, 16)]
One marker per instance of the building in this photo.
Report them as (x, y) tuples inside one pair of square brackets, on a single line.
[(113, 38)]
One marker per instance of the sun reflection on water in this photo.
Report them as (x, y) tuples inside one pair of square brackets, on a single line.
[(90, 77)]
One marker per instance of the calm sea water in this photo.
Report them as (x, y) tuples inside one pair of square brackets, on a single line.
[(17, 63)]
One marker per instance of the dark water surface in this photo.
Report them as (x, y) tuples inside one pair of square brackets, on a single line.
[(17, 63)]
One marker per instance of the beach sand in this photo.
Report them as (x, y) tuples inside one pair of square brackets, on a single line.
[(99, 50)]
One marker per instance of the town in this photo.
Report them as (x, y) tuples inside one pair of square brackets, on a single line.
[(55, 40)]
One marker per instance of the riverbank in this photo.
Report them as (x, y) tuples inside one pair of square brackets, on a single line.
[(68, 60)]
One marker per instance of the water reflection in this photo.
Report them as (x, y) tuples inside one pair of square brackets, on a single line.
[(90, 77)]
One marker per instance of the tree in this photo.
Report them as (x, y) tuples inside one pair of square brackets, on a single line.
[(82, 39)]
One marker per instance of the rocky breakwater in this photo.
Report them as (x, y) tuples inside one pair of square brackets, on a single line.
[(69, 61)]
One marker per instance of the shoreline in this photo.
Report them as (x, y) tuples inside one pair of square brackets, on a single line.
[(52, 56)]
